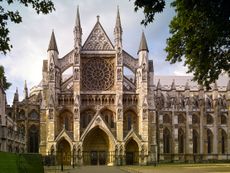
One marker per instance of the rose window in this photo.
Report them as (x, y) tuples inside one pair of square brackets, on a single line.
[(97, 74)]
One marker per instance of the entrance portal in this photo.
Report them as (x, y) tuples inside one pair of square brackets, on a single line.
[(96, 147), (63, 153), (132, 154)]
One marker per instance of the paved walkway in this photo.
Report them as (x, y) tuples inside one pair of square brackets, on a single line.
[(85, 169)]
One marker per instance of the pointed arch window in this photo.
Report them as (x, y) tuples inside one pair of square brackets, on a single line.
[(33, 139), (209, 119), (210, 141), (181, 141), (195, 141), (166, 140)]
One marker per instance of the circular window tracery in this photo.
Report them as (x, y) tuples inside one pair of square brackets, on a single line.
[(98, 74)]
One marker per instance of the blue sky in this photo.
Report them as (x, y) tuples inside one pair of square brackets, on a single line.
[(30, 38)]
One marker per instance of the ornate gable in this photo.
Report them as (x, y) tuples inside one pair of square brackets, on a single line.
[(98, 40)]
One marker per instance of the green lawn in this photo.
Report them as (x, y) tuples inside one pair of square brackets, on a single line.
[(180, 168), (20, 163)]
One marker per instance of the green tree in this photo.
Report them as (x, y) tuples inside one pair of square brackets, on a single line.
[(6, 16), (200, 36), (3, 80), (150, 8)]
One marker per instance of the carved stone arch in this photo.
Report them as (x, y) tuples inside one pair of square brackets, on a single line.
[(106, 131), (133, 149), (109, 117), (181, 118), (222, 141), (195, 119), (167, 119), (86, 116), (134, 137), (222, 118), (64, 147), (33, 138), (209, 119), (64, 137), (21, 114), (34, 115), (130, 121), (65, 120)]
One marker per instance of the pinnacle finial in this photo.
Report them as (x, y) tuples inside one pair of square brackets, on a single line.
[(187, 86), (215, 87), (143, 44), (25, 90), (25, 85), (52, 44), (78, 21), (228, 86), (173, 86), (98, 18), (159, 84), (16, 97), (118, 19)]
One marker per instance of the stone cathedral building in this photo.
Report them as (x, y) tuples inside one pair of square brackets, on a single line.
[(99, 115)]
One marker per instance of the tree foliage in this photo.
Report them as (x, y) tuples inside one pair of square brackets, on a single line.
[(150, 7), (200, 35), (6, 16), (3, 80)]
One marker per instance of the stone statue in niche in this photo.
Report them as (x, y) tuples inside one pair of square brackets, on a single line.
[(119, 56), (76, 113), (51, 71), (119, 100), (119, 74), (119, 112), (145, 112), (51, 113), (76, 74), (76, 57), (77, 101)]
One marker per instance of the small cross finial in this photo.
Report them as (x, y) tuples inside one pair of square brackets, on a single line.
[(98, 17)]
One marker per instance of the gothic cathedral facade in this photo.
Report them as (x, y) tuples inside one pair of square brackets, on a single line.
[(98, 115)]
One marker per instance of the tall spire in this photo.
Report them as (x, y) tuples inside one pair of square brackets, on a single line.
[(77, 21), (77, 30), (16, 96), (53, 44), (143, 44), (118, 20), (118, 31), (25, 90)]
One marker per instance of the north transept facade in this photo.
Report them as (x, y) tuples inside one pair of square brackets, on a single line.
[(97, 115)]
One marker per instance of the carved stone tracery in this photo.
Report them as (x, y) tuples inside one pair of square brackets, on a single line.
[(97, 74)]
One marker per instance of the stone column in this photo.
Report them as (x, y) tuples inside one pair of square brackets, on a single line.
[(175, 136)]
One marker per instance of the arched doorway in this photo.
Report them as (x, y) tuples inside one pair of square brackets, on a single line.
[(96, 147), (132, 152), (64, 152)]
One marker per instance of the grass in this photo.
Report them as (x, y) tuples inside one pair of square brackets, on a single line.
[(20, 163)]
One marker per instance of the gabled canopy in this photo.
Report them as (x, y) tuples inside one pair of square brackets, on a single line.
[(98, 39)]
